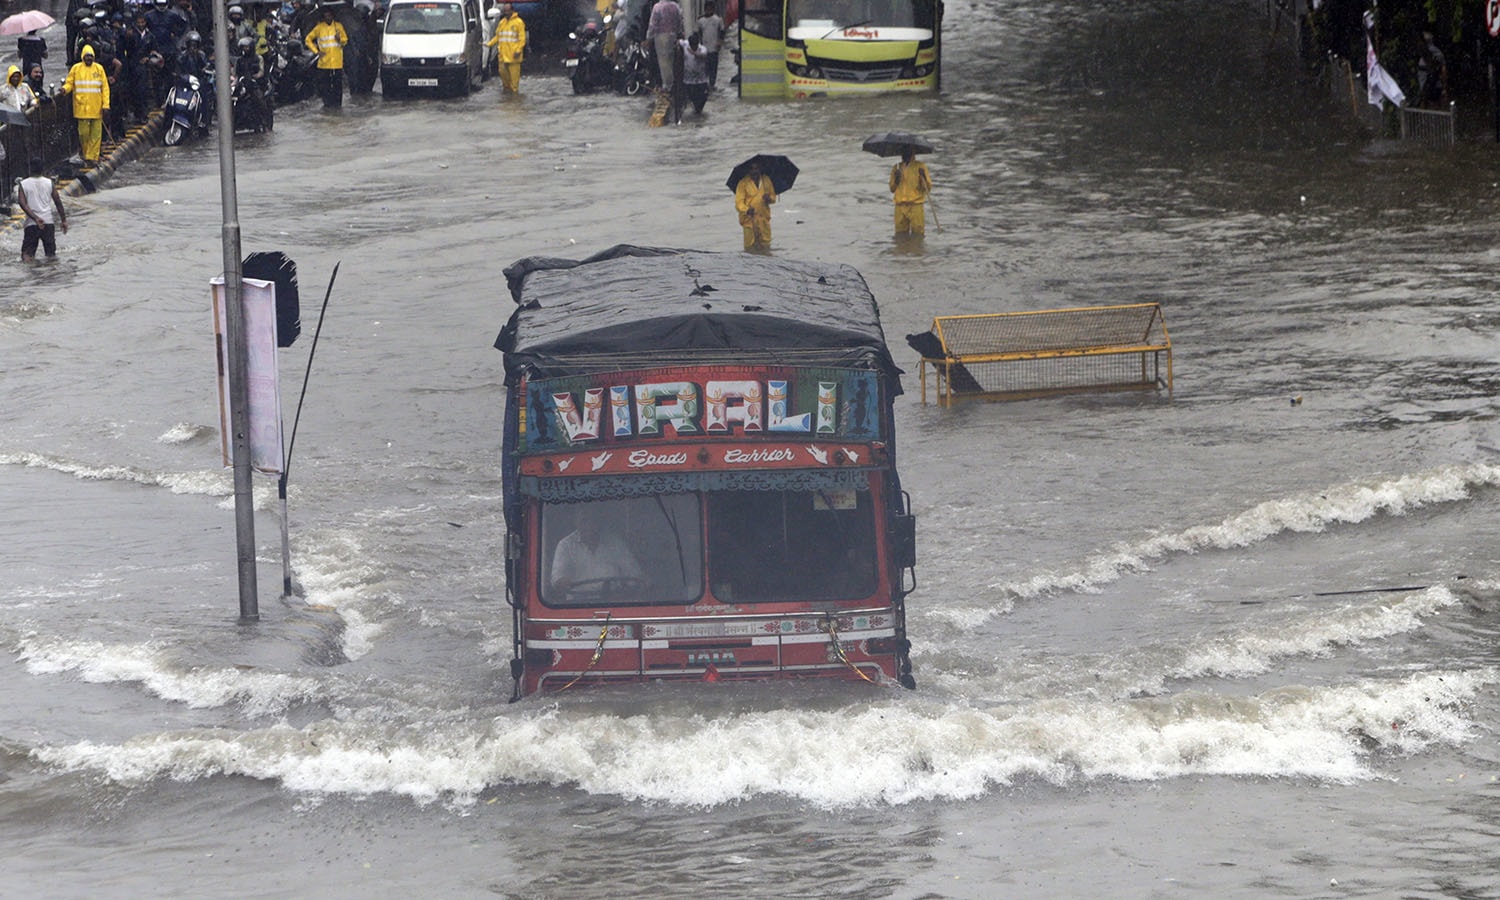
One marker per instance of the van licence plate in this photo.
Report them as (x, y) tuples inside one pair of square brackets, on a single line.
[(421, 82), (570, 63)]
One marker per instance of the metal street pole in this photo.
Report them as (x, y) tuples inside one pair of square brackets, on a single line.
[(238, 362)]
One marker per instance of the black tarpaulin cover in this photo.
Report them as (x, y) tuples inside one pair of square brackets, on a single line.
[(637, 307)]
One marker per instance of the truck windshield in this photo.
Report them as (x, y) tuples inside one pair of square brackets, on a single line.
[(770, 546), (619, 552), (425, 18)]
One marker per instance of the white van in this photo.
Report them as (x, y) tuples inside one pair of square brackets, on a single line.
[(431, 46)]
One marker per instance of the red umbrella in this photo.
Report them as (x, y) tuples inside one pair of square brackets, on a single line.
[(22, 22)]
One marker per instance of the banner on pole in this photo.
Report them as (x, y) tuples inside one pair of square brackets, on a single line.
[(259, 301)]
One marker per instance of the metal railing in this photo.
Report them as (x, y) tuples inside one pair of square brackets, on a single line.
[(1018, 355), (1429, 126), (1432, 127), (52, 136)]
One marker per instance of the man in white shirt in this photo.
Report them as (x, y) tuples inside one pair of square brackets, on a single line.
[(590, 559), (711, 33), (44, 211)]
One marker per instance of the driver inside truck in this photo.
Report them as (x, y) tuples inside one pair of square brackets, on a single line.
[(591, 556)]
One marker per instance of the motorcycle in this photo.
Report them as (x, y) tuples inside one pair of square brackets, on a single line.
[(637, 70), (187, 110), (591, 70), (290, 74), (252, 112)]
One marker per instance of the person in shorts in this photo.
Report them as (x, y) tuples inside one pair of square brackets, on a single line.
[(44, 212)]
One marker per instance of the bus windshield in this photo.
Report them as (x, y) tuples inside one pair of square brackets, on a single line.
[(425, 18), (809, 15)]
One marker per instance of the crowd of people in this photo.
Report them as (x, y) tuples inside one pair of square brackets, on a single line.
[(123, 57), (121, 72), (668, 37)]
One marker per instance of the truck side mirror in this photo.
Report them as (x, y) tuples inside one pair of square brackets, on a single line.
[(903, 537)]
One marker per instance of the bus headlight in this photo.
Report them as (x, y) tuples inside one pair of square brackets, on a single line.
[(806, 71), (909, 71)]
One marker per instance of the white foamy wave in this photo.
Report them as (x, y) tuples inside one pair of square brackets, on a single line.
[(1314, 635), (257, 693), (1310, 512), (183, 433), (335, 573), (1149, 668), (212, 484), (906, 753)]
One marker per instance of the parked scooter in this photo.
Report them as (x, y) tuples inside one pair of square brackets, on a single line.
[(591, 70), (187, 109), (637, 70)]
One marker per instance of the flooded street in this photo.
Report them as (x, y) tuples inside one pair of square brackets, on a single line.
[(1238, 642)]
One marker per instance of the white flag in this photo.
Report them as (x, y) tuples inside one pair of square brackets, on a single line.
[(1381, 84)]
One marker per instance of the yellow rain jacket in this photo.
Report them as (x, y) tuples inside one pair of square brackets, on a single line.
[(910, 183), (754, 197), (328, 38), (510, 36), (89, 86)]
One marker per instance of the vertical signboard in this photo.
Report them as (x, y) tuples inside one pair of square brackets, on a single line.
[(259, 301)]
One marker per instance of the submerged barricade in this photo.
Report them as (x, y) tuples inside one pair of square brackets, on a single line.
[(1020, 355)]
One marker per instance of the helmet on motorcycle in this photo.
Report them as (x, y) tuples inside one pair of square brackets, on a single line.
[(246, 44), (194, 37), (86, 22), (236, 11), (193, 82)]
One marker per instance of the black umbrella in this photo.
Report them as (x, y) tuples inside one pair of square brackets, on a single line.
[(779, 169), (896, 143), (10, 116)]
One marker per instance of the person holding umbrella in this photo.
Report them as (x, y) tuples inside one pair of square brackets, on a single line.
[(32, 49), (30, 46), (753, 197), (756, 182), (910, 185)]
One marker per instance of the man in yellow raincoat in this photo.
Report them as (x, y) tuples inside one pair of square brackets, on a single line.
[(510, 37), (327, 40), (753, 197), (910, 185), (89, 86)]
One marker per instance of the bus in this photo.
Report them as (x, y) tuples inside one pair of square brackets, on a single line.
[(699, 473), (809, 48)]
